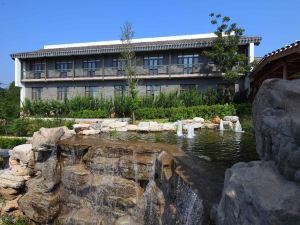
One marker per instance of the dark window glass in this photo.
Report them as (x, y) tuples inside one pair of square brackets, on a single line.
[(63, 68), (91, 91), (120, 90), (37, 93), (187, 87), (153, 90), (62, 93), (120, 65), (187, 61), (92, 64), (152, 63), (37, 68)]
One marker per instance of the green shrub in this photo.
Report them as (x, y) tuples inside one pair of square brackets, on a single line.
[(26, 127), (9, 143), (120, 105), (243, 109), (204, 111), (89, 114), (9, 220)]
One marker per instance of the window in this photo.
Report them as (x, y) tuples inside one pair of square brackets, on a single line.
[(120, 65), (153, 62), (91, 91), (91, 66), (121, 90), (62, 93), (37, 68), (63, 68), (153, 90), (187, 87), (188, 61), (36, 93)]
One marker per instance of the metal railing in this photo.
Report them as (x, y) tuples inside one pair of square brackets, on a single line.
[(159, 70)]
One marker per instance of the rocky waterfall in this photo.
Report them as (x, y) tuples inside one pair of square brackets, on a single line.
[(71, 179)]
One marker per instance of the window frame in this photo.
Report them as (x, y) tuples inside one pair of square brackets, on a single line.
[(93, 93), (62, 93), (153, 67), (36, 93), (152, 90), (187, 87), (120, 90)]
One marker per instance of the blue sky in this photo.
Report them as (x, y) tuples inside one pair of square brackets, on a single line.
[(30, 24)]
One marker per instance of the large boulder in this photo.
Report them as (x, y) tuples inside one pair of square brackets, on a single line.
[(256, 194), (48, 137), (38, 203), (8, 179), (276, 111), (23, 153)]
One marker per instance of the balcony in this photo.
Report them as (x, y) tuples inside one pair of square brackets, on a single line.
[(114, 73)]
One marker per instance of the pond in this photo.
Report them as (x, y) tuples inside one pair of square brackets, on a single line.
[(220, 149)]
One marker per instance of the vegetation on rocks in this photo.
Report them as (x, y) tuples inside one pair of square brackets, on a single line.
[(9, 220), (27, 126)]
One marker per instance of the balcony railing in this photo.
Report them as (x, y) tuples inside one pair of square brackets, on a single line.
[(114, 72)]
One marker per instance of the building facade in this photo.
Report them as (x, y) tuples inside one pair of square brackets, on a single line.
[(95, 69)]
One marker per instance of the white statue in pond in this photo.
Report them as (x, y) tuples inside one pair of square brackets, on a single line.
[(238, 127), (179, 128)]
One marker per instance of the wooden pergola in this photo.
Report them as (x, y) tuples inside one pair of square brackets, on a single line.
[(283, 63)]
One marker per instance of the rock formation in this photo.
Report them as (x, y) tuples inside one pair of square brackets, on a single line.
[(276, 111), (267, 192), (74, 179)]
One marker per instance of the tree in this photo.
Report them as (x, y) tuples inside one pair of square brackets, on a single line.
[(128, 62), (224, 50), (9, 102)]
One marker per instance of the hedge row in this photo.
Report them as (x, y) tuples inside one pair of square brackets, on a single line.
[(9, 143), (89, 114), (173, 114)]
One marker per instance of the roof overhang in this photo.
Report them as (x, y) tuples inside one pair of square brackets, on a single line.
[(271, 64), (138, 45)]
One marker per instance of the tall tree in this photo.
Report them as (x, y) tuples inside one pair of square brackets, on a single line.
[(9, 102), (129, 64), (224, 50)]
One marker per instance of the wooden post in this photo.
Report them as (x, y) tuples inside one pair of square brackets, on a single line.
[(73, 68), (45, 69), (285, 71), (169, 66), (103, 65)]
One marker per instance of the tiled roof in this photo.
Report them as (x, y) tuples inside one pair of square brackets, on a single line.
[(277, 54), (137, 47)]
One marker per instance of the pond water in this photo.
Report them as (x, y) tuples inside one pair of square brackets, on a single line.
[(221, 149)]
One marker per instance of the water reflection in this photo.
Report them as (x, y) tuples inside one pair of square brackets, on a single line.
[(220, 147)]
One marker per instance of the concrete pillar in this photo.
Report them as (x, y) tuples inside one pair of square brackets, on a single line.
[(18, 79)]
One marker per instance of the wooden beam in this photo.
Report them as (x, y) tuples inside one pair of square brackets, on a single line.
[(285, 71)]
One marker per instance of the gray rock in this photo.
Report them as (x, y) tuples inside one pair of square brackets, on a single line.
[(276, 111), (256, 193), (232, 119), (23, 153)]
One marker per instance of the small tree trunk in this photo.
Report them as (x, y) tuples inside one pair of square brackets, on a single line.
[(133, 117)]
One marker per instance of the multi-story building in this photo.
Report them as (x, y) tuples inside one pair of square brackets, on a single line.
[(163, 64)]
